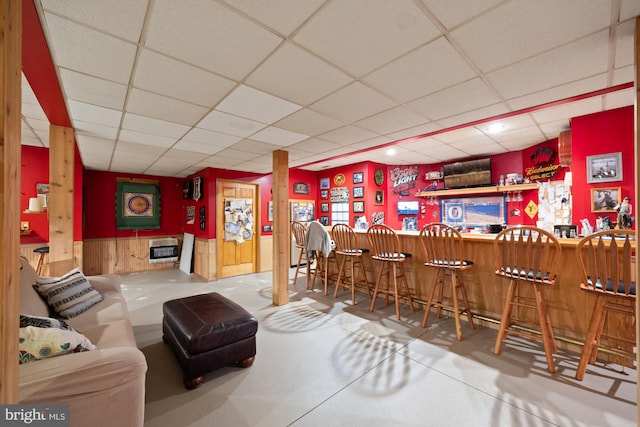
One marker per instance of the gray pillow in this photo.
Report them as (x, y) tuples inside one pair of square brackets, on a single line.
[(69, 295)]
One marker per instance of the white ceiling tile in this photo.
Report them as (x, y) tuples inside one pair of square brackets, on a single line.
[(415, 131), (619, 99), (153, 126), (146, 138), (93, 114), (393, 120), (553, 129), (163, 108), (209, 35), (430, 68), (508, 124), (519, 29), (347, 135), (352, 103), (451, 13), (257, 147), (230, 124), (96, 130), (186, 158), (298, 76), (309, 122), (215, 139), (256, 105), (574, 109), (31, 141), (88, 51), (361, 35), (157, 73), (480, 146), (33, 111), (197, 147), (464, 97), (531, 134), (93, 90), (313, 145), (624, 44), (559, 92), (38, 124), (554, 68), (126, 149), (473, 116), (623, 75), (629, 9), (284, 16), (230, 153), (369, 143), (277, 136), (97, 146), (104, 16)]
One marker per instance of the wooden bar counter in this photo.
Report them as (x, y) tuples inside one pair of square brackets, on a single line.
[(569, 306)]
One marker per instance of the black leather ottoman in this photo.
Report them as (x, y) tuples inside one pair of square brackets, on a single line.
[(207, 332)]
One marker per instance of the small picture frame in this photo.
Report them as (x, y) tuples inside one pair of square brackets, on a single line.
[(324, 207), (324, 220), (324, 183), (379, 198), (324, 194), (604, 168), (358, 207), (300, 188), (358, 192), (358, 178), (605, 199)]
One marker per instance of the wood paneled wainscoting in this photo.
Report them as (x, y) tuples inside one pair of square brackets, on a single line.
[(27, 252), (122, 255), (205, 257)]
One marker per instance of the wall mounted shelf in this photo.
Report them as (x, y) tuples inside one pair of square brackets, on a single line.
[(477, 190)]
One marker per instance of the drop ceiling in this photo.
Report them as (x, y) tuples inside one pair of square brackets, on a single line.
[(167, 88)]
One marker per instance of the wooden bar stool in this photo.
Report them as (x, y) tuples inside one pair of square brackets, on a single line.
[(443, 249), (299, 231), (605, 259), (386, 249), (42, 252), (348, 250), (528, 255)]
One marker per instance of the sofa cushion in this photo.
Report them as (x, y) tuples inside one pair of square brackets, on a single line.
[(30, 300), (68, 295), (42, 343), (43, 322)]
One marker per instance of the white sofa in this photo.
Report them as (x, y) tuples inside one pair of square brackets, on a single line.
[(102, 388)]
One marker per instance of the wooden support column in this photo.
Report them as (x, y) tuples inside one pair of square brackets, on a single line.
[(636, 130), (281, 231), (10, 127), (61, 168)]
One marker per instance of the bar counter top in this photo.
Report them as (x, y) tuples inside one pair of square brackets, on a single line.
[(569, 306)]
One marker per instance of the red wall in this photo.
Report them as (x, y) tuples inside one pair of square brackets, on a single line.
[(601, 133), (100, 205)]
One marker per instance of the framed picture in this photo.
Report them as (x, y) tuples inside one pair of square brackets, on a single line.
[(137, 206), (358, 207), (358, 178), (604, 168), (324, 194), (324, 183), (270, 211), (324, 220), (300, 188), (358, 192), (605, 199), (379, 199), (324, 207)]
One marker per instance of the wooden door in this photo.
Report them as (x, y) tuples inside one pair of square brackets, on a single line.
[(237, 240)]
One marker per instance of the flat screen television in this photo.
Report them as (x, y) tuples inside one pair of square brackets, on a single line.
[(472, 173), (408, 207)]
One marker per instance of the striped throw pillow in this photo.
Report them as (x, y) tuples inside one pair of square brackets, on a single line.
[(68, 295)]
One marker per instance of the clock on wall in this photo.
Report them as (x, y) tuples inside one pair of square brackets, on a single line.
[(339, 179), (378, 176)]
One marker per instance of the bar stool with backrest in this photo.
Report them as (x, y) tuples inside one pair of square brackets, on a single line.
[(42, 252), (443, 248), (605, 260), (386, 250), (347, 248), (299, 231), (527, 255)]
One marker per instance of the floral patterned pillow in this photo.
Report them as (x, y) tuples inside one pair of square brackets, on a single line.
[(42, 343)]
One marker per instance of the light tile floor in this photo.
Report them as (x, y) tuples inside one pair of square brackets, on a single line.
[(325, 362)]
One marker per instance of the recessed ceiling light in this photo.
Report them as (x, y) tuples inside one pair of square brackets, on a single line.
[(391, 152), (496, 128)]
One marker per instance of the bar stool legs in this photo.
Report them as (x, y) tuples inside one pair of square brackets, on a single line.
[(42, 252)]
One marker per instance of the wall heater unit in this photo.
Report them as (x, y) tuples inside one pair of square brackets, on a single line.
[(163, 250)]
